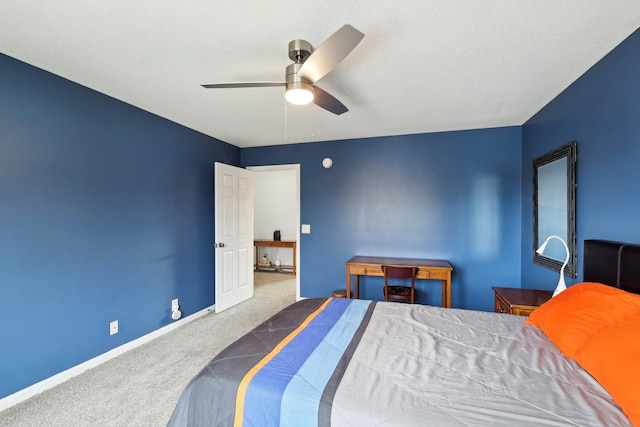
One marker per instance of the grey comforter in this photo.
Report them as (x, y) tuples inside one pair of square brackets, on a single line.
[(345, 362)]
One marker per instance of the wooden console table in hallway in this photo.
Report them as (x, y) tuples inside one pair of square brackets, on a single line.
[(275, 244), (430, 269)]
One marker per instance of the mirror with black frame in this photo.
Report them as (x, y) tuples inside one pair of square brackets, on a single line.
[(554, 208)]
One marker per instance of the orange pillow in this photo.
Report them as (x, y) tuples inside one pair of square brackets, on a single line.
[(613, 358), (575, 315)]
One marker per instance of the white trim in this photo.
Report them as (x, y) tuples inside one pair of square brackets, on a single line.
[(57, 379)]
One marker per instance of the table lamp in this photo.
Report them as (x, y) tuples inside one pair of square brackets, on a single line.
[(561, 285)]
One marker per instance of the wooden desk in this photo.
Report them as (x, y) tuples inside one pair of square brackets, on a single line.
[(276, 244), (431, 269)]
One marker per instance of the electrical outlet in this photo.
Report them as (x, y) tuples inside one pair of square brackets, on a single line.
[(113, 327), (175, 305)]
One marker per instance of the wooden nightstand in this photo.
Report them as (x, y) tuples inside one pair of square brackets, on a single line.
[(520, 302)]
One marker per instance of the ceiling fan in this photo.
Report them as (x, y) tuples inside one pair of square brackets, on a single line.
[(308, 67)]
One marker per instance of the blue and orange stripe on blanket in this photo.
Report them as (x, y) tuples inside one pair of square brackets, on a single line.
[(286, 387)]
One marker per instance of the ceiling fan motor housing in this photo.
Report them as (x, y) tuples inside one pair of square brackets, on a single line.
[(292, 76), (297, 84), (299, 51)]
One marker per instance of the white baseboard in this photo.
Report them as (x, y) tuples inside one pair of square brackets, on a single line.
[(26, 393)]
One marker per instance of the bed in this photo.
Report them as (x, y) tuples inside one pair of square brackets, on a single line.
[(346, 362)]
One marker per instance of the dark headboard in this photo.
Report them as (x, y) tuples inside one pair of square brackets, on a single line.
[(612, 263)]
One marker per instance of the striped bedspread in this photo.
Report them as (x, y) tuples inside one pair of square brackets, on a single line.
[(288, 385), (340, 362)]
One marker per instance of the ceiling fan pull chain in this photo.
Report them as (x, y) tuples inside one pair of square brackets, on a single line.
[(285, 122), (313, 121)]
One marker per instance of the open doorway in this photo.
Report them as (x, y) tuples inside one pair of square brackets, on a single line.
[(277, 207)]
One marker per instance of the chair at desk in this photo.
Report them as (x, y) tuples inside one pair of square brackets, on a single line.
[(399, 293)]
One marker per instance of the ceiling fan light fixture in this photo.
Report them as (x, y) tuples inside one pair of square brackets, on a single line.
[(299, 93), (308, 67)]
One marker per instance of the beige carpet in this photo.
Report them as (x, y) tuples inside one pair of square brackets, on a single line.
[(141, 387)]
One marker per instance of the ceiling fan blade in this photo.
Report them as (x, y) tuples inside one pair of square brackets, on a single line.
[(327, 101), (244, 84), (330, 53)]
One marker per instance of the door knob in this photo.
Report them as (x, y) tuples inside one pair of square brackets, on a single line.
[(218, 245)]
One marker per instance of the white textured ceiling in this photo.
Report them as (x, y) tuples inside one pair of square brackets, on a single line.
[(423, 65)]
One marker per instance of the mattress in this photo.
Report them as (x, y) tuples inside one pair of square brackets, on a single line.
[(340, 362)]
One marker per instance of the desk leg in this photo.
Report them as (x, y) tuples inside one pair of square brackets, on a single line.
[(357, 285), (446, 293), (355, 282), (255, 264), (348, 295), (294, 258)]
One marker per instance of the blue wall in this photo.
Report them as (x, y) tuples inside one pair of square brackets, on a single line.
[(453, 196), (107, 210), (107, 213), (601, 111)]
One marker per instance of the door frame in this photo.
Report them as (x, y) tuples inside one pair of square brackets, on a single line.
[(295, 167)]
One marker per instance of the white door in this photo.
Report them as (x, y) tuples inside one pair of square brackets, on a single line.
[(234, 235)]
